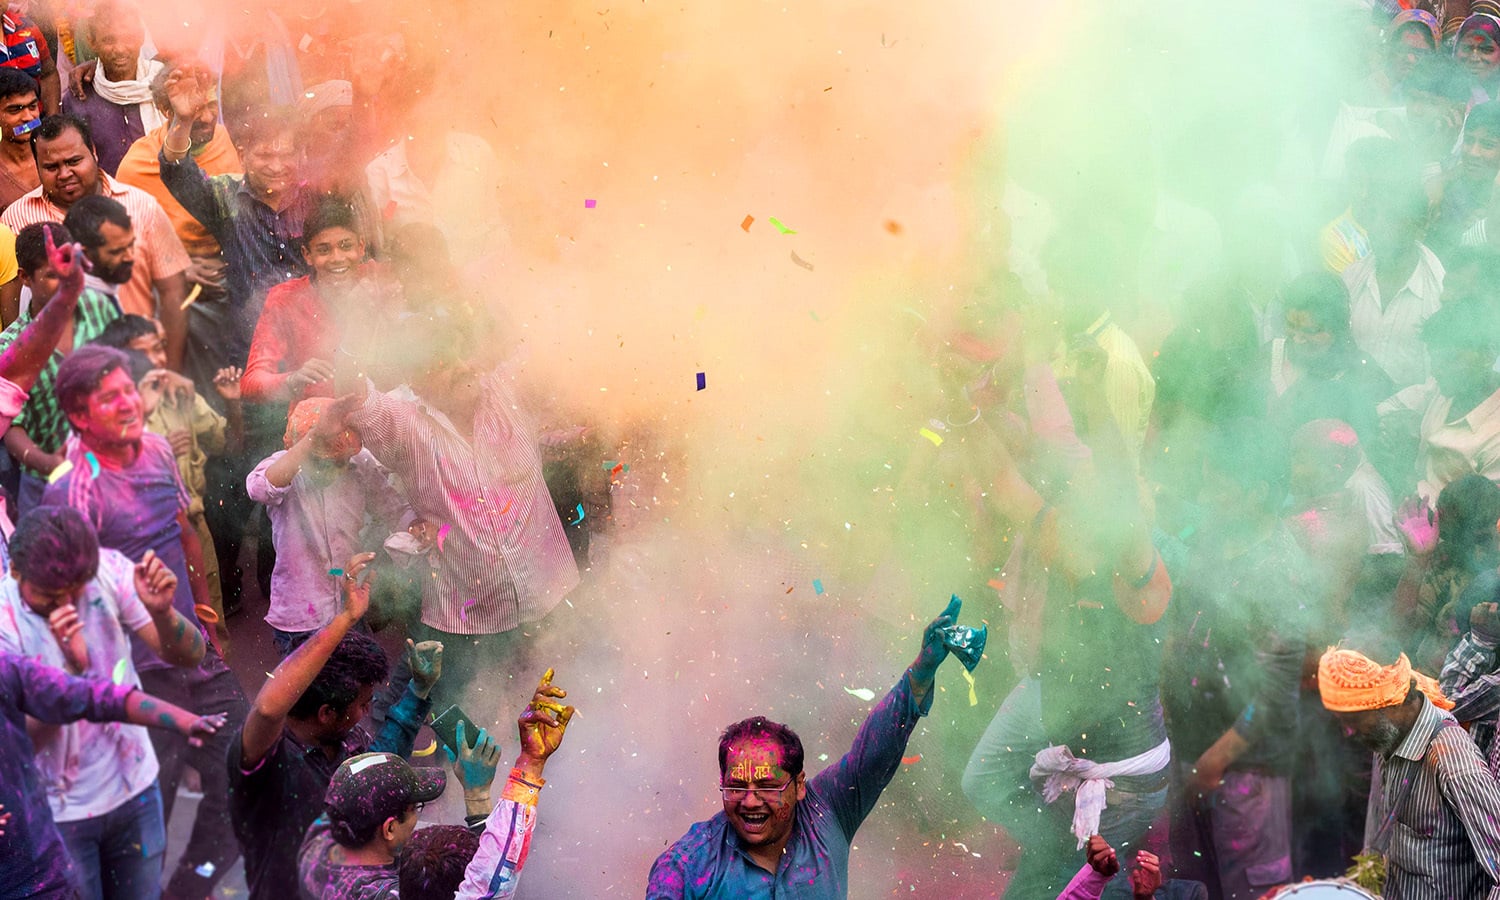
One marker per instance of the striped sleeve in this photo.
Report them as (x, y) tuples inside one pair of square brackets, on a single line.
[(495, 871)]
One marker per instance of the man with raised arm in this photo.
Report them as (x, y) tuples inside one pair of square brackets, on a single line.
[(305, 723), (781, 834)]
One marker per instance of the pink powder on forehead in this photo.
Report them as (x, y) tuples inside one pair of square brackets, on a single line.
[(1344, 436)]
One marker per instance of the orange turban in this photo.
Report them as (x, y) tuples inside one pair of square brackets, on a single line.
[(1349, 681), (304, 417)]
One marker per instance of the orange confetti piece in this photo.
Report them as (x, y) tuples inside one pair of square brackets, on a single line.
[(745, 225), (911, 760), (997, 584)]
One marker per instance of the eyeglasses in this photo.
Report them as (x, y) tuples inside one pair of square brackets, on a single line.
[(770, 794)]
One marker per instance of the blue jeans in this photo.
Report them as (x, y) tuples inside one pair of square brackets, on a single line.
[(997, 781), (119, 854), (283, 641)]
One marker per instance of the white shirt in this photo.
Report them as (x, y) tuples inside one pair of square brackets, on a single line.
[(88, 768), (1451, 447), (461, 201), (1389, 330)]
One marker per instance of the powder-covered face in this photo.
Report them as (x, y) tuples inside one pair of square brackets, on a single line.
[(763, 816)]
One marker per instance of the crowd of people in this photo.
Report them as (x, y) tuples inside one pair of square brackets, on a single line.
[(1250, 578)]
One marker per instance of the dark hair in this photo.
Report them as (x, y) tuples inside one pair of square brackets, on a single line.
[(1466, 324), (1467, 510), (53, 127), (1324, 296), (54, 547), (355, 663), (263, 127), (328, 213), (80, 375), (14, 83), (122, 331), (1484, 117), (107, 9), (761, 727), (1251, 454), (86, 218), (432, 863), (31, 241), (1439, 75)]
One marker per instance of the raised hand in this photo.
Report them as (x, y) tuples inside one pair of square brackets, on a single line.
[(69, 263), (476, 765), (155, 584), (1101, 857), (227, 382), (188, 92), (1145, 878), (426, 661), (544, 720), (357, 594), (203, 727), (1418, 524), (934, 651)]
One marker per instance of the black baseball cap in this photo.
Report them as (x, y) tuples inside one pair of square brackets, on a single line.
[(369, 788)]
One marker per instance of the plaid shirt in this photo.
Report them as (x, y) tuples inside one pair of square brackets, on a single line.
[(41, 418), (1469, 679)]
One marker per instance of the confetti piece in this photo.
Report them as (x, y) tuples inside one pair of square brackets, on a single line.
[(702, 380), (864, 694), (818, 585), (468, 604), (192, 295), (801, 262), (892, 226), (206, 614), (780, 227), (442, 535), (973, 696), (911, 760), (996, 583), (121, 668), (745, 225), (60, 471), (336, 573), (822, 757), (589, 204), (580, 512), (427, 750), (93, 463), (937, 439)]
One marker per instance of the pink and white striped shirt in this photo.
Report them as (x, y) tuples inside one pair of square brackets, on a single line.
[(504, 558)]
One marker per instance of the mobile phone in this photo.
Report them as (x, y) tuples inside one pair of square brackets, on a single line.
[(445, 726)]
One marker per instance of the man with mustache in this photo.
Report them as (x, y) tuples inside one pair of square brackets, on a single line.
[(1434, 807)]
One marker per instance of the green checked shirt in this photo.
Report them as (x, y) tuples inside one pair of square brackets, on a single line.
[(41, 418)]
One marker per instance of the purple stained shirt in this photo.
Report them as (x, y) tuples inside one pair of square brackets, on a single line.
[(114, 127), (708, 863), (134, 510), (34, 862)]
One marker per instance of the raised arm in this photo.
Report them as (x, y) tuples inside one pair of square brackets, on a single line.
[(495, 871), (23, 360), (188, 91), (169, 634), (53, 696), (1469, 678), (296, 673)]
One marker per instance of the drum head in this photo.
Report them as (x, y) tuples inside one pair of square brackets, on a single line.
[(1326, 890)]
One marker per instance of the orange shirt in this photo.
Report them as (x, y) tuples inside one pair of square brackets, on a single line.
[(141, 168)]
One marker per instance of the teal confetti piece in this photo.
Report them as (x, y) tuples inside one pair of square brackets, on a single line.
[(93, 464), (818, 585), (336, 572), (579, 520)]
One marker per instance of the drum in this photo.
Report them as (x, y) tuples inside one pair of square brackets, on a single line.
[(1325, 890)]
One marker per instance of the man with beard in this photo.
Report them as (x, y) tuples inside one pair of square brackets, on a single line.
[(35, 438), (1434, 808), (63, 147)]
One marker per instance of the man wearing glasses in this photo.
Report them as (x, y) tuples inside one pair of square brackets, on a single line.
[(780, 834)]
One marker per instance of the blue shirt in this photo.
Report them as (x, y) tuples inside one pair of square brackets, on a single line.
[(708, 863), (262, 247), (34, 862)]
